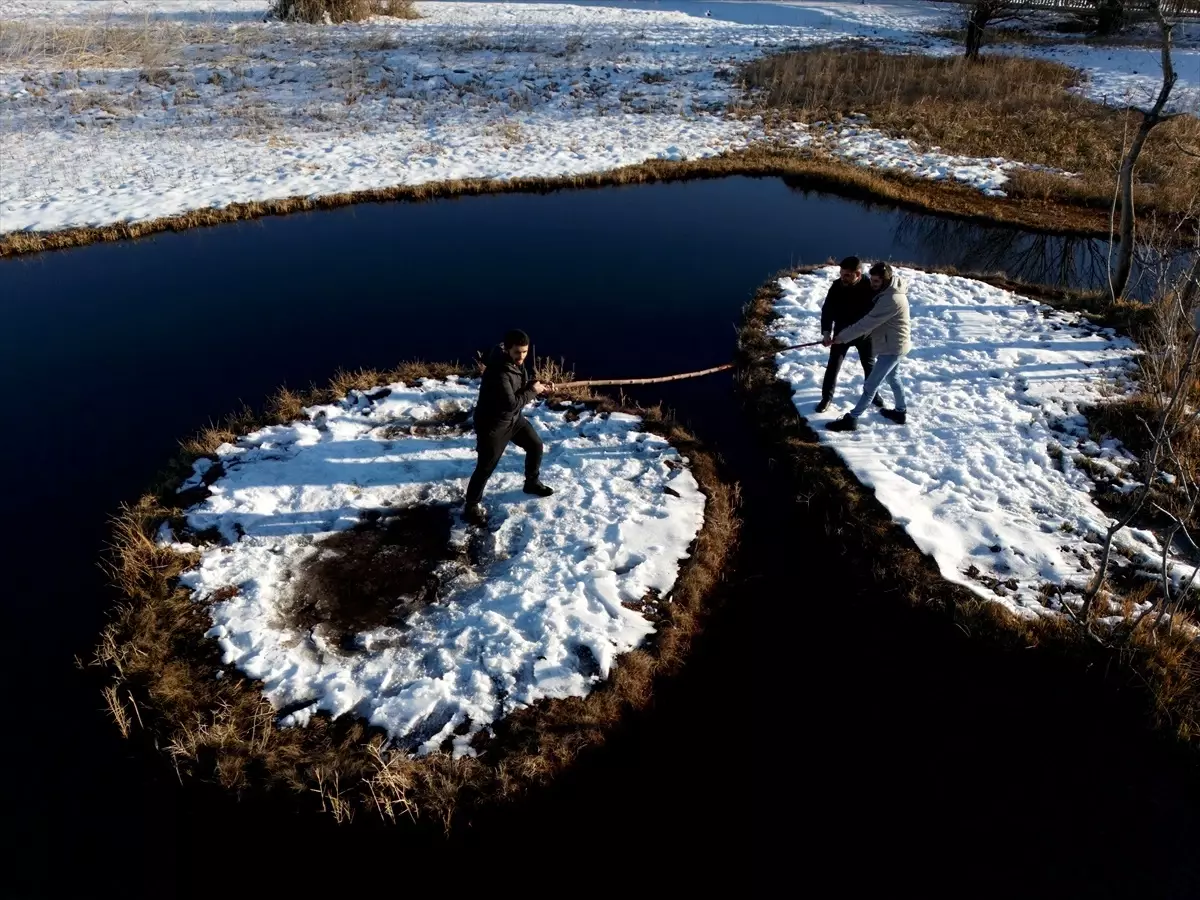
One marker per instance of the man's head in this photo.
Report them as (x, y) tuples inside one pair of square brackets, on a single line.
[(881, 275), (516, 344), (851, 270)]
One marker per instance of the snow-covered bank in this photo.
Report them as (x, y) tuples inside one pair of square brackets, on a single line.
[(221, 107), (545, 616), (986, 477), (1125, 70), (1124, 76), (853, 140)]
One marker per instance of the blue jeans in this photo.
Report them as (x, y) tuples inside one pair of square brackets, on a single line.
[(887, 367)]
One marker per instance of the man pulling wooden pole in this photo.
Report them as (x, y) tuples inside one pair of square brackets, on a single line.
[(504, 392), (506, 388)]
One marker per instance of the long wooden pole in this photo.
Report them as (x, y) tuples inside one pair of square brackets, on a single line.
[(620, 382)]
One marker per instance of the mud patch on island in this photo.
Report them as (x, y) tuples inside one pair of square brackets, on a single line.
[(377, 574)]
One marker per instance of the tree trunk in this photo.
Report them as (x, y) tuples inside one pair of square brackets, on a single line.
[(976, 23), (1128, 226), (1119, 280), (1111, 17)]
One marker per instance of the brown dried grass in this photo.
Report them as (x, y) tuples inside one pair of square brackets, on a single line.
[(1010, 106), (95, 44), (315, 12), (222, 730)]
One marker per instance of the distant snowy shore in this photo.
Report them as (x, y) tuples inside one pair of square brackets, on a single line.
[(210, 105)]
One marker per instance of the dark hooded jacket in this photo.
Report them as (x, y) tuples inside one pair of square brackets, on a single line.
[(846, 305), (504, 392)]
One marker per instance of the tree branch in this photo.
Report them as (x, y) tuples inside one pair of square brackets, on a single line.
[(1150, 466), (1170, 76), (1150, 119)]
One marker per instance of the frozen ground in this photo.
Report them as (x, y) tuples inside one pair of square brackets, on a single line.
[(991, 474), (559, 597), (1123, 73), (211, 106), (1121, 76)]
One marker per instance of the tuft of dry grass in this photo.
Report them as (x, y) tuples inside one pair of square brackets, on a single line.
[(95, 44), (509, 133), (207, 440), (116, 708), (221, 729), (317, 12), (1015, 107), (285, 406), (554, 372), (1166, 668)]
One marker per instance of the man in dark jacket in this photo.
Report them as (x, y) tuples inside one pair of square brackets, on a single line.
[(504, 392), (849, 299)]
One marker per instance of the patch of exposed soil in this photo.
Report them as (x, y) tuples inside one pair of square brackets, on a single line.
[(376, 574), (448, 420)]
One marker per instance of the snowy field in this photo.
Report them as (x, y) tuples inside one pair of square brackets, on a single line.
[(988, 476), (214, 106), (548, 613)]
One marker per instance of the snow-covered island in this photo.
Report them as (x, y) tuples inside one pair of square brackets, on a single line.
[(996, 475), (541, 607), (320, 580)]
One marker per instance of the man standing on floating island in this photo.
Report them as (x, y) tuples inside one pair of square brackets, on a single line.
[(505, 390), (888, 325), (848, 300)]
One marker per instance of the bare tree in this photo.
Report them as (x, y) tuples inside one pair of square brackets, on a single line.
[(1110, 16), (1150, 118), (983, 13), (1171, 601), (1170, 364), (1180, 506)]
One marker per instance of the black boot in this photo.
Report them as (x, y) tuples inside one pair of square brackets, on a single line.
[(845, 423), (475, 514), (538, 489), (877, 401), (823, 405), (895, 415)]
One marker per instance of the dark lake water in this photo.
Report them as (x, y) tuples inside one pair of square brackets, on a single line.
[(864, 743)]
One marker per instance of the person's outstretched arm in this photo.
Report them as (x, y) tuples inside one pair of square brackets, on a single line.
[(884, 309), (827, 310)]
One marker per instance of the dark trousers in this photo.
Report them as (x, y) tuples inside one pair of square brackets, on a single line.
[(837, 353), (490, 444)]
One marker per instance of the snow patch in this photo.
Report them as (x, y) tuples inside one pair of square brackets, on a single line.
[(856, 142)]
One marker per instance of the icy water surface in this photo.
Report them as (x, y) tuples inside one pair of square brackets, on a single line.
[(882, 734)]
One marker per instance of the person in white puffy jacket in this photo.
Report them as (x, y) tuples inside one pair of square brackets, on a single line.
[(888, 325)]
